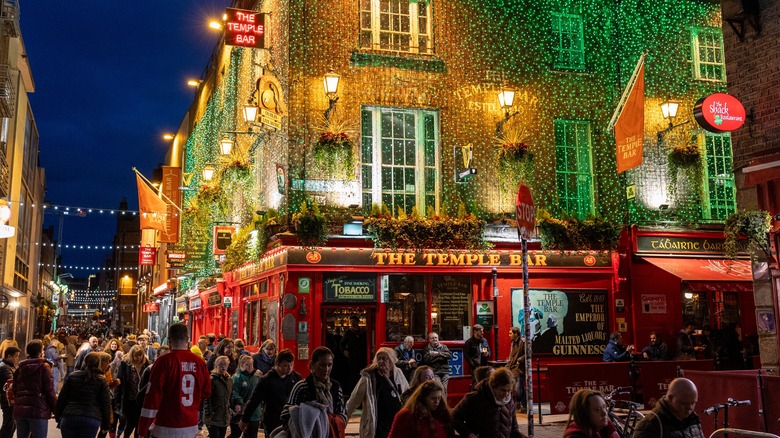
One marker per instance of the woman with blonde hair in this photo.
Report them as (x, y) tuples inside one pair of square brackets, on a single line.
[(84, 405), (588, 417), (5, 344), (130, 370), (379, 391), (425, 414)]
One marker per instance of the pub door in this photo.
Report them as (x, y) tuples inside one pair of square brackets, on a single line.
[(350, 333)]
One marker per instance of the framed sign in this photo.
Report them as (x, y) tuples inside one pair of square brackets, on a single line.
[(349, 288)]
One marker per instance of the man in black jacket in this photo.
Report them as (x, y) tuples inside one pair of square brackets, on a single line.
[(272, 390), (7, 368), (673, 416), (477, 349)]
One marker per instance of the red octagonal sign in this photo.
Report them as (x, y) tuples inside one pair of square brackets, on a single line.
[(719, 112), (525, 211)]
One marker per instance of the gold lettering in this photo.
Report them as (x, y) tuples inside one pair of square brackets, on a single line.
[(409, 259), (541, 260), (495, 259), (482, 260), (471, 258), (442, 259), (380, 258), (394, 259), (428, 258), (456, 259), (515, 260)]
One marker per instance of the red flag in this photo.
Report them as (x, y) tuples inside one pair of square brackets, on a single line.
[(630, 126), (151, 207)]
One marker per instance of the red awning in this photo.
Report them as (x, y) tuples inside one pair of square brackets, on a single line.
[(703, 275)]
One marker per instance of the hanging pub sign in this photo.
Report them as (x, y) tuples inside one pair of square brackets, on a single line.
[(214, 299), (719, 112), (244, 28), (194, 303), (223, 237), (6, 231), (147, 256), (151, 307), (347, 288), (175, 259)]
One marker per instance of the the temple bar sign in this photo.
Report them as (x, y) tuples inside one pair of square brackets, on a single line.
[(244, 28)]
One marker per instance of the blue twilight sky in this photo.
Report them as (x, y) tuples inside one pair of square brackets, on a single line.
[(110, 79)]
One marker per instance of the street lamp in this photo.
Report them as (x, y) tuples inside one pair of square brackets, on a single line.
[(331, 84), (225, 145), (506, 99), (669, 111), (208, 172)]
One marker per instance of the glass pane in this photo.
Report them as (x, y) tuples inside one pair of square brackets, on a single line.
[(387, 178), (398, 152), (398, 125), (387, 151), (451, 302), (367, 150), (430, 180), (409, 178), (407, 308), (365, 176), (411, 152), (398, 179)]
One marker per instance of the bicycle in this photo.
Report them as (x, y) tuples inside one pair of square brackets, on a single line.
[(624, 414)]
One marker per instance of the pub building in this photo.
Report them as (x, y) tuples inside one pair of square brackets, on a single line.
[(431, 109)]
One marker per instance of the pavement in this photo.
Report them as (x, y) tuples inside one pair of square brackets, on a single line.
[(552, 425)]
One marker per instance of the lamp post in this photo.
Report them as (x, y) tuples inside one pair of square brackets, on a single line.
[(208, 172), (669, 111), (330, 83), (506, 99)]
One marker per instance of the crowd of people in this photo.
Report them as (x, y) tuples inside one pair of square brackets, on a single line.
[(133, 386)]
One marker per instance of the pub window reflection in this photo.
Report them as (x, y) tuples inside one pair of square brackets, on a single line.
[(450, 305), (406, 308)]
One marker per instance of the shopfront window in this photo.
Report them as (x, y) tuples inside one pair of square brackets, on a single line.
[(450, 306), (407, 308), (714, 309)]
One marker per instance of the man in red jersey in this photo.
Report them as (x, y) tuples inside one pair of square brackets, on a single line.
[(178, 382)]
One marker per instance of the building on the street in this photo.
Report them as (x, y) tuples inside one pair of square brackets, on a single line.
[(752, 61), (22, 184), (127, 314), (359, 161)]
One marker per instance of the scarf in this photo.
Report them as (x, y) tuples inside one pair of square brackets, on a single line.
[(322, 390), (503, 402)]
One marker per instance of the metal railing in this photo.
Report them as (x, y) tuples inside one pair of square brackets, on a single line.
[(7, 92)]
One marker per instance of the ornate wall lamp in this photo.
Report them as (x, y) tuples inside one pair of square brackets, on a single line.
[(331, 84), (669, 110), (208, 172), (506, 99)]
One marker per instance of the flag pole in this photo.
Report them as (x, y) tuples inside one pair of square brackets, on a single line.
[(161, 193), (626, 92)]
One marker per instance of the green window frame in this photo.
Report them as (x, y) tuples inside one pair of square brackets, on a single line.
[(568, 42), (707, 54), (400, 159), (574, 167), (720, 189), (396, 25)]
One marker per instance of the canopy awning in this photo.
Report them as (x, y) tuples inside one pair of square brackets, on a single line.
[(703, 275)]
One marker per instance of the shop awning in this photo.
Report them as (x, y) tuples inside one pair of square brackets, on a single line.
[(703, 275)]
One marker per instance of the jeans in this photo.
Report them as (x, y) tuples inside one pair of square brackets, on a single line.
[(9, 426), (32, 427), (79, 426), (55, 372)]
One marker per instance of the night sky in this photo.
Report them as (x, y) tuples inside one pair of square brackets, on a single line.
[(110, 79)]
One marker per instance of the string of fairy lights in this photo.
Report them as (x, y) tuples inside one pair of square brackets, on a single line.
[(88, 247), (86, 268)]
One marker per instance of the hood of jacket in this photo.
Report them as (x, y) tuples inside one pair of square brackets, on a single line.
[(31, 367)]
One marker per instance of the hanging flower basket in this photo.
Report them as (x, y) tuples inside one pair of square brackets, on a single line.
[(335, 153), (684, 156), (310, 226), (686, 159)]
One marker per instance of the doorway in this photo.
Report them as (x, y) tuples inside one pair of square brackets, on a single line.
[(350, 333)]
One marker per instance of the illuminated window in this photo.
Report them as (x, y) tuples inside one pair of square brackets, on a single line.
[(400, 159), (568, 48), (573, 167), (707, 47), (719, 180), (396, 25)]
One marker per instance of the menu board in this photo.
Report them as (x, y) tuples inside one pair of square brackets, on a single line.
[(452, 298)]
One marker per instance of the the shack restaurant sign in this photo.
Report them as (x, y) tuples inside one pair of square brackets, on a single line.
[(719, 112)]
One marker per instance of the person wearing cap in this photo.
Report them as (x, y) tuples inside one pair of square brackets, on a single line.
[(150, 351)]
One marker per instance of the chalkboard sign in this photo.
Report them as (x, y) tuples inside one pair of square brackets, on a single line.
[(452, 299)]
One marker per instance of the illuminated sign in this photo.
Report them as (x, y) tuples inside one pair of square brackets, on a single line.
[(147, 256), (161, 289), (244, 28), (719, 112), (223, 237), (176, 259)]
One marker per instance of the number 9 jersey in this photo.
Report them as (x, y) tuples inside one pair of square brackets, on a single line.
[(178, 382)]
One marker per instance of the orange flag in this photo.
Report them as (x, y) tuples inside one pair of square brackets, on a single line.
[(630, 126), (152, 208)]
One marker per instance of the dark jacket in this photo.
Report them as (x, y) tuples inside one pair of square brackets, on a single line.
[(304, 391), (662, 419), (516, 362), (6, 372), (262, 362), (34, 390), (217, 410), (615, 353), (232, 366), (272, 390), (126, 393), (657, 351), (402, 356), (473, 352), (438, 358), (479, 414), (81, 396), (685, 347), (573, 430)]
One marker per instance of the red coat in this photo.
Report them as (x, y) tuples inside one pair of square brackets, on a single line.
[(406, 424), (34, 390)]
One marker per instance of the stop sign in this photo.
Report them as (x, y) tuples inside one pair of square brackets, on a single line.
[(525, 211)]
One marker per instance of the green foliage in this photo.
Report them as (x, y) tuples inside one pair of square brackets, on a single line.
[(747, 230), (417, 233), (576, 234), (245, 247), (310, 226)]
